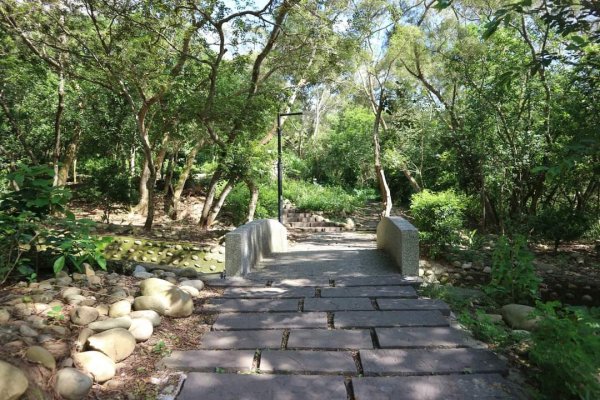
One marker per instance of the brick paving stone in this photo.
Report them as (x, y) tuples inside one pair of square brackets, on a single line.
[(430, 361), (371, 319), (377, 280), (209, 360), (423, 337), (235, 282), (338, 304), (330, 339), (370, 291), (414, 304), (307, 362), (268, 292), (301, 282), (250, 321), (262, 387), (251, 305), (242, 340), (447, 387)]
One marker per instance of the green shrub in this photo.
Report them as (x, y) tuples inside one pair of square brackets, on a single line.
[(513, 274), (239, 199), (566, 349), (483, 328), (560, 224), (329, 199), (439, 218)]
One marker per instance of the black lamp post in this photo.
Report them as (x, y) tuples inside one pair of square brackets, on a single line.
[(279, 169)]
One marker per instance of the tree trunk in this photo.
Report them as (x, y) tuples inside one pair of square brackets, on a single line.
[(142, 206), (69, 158), (384, 189), (253, 200), (217, 207), (210, 197), (151, 182), (173, 211), (60, 109)]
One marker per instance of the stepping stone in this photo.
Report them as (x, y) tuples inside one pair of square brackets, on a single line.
[(251, 305), (338, 304), (302, 282), (262, 387), (423, 337), (307, 362), (209, 360), (242, 340), (250, 321), (268, 292), (235, 282), (430, 362), (447, 387), (330, 339), (370, 319), (379, 280), (414, 304), (370, 291)]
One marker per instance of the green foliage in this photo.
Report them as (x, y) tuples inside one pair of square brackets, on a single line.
[(55, 313), (566, 349), (439, 218), (513, 275), (329, 199), (560, 224), (484, 329)]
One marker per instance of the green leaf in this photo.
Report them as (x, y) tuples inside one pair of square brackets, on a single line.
[(442, 4), (59, 264)]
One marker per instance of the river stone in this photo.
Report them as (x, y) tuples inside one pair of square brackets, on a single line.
[(75, 299), (38, 354), (155, 286), (84, 315), (98, 364), (141, 329), (119, 309), (187, 273), (116, 343), (192, 291), (13, 382), (150, 315), (4, 315), (142, 275), (517, 316), (111, 323), (70, 291), (154, 303), (83, 337), (28, 331), (102, 309), (196, 283), (72, 384)]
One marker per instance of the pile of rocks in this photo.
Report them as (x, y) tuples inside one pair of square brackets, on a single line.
[(102, 315), (456, 273)]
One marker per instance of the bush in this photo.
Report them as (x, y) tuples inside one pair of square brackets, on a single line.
[(560, 224), (439, 218), (329, 199), (566, 349), (513, 275), (239, 199)]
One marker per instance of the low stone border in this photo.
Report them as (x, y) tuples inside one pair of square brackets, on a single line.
[(400, 239), (249, 243)]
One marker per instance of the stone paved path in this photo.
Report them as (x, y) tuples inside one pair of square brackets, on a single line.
[(331, 320)]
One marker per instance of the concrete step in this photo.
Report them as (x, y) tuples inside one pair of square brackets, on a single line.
[(310, 224), (302, 219), (321, 229)]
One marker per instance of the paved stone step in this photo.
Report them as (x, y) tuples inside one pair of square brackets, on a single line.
[(293, 218), (377, 280), (242, 340), (321, 229), (424, 337), (447, 387), (251, 305), (298, 214), (336, 339), (235, 282), (262, 387), (307, 362), (268, 292), (251, 321), (338, 304), (414, 304), (384, 319), (300, 282), (430, 362), (370, 291), (209, 360)]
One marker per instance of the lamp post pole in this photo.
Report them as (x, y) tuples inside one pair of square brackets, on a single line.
[(279, 166)]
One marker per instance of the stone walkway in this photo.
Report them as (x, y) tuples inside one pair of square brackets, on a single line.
[(330, 320)]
